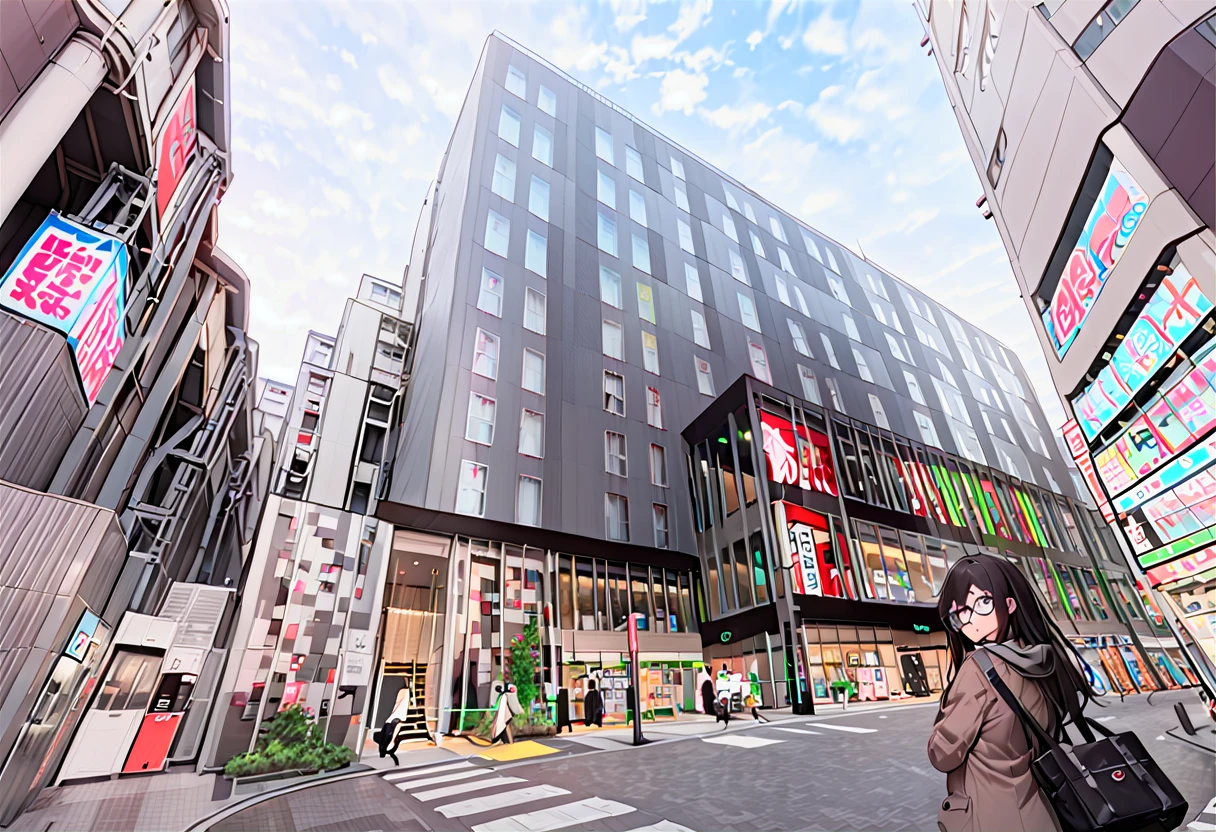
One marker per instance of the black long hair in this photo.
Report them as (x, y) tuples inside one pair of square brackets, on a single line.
[(1065, 686)]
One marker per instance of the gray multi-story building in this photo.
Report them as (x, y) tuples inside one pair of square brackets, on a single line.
[(132, 468), (1090, 126)]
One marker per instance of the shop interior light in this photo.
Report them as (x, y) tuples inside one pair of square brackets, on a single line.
[(723, 440)]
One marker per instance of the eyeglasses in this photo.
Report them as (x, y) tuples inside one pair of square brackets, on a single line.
[(982, 606)]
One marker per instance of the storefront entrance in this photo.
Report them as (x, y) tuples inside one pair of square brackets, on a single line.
[(872, 662)]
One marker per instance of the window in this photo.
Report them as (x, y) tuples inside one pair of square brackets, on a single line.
[(504, 178), (614, 345), (851, 327), (641, 253), (489, 299), (533, 379), (479, 426), (614, 393), (759, 361), (700, 335), (801, 301), (498, 233), (880, 415), (1101, 26), (737, 270), (926, 337), (893, 345), (654, 409), (534, 311), (660, 526), (532, 434), (658, 465), (373, 443), (685, 232), (914, 390), (677, 168), (728, 226), (645, 303), (316, 384), (838, 290), (748, 212), (747, 312), (508, 126), (774, 225), (616, 517), (927, 432), (546, 101), (603, 145), (535, 254), (811, 248), (485, 354), (947, 376), (827, 348), (633, 163), (615, 454), (692, 281), (810, 388), (606, 234), (863, 369), (605, 189), (705, 377), (786, 265), (650, 353), (831, 260), (682, 197), (610, 287), (542, 146), (799, 336), (471, 490), (757, 246), (834, 393), (637, 207), (991, 36), (527, 501), (517, 83), (731, 202), (783, 290), (538, 198)]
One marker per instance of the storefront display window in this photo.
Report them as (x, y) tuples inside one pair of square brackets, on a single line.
[(586, 594), (919, 571), (875, 573), (565, 589), (1097, 601), (640, 592), (618, 597), (898, 584), (743, 583), (1072, 598)]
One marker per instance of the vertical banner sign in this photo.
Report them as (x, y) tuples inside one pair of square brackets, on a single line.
[(635, 678), (1107, 231), (74, 280), (174, 149), (1080, 454)]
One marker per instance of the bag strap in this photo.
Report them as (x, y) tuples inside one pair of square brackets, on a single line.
[(1029, 723)]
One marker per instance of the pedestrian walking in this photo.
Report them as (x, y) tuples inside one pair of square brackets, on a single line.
[(593, 706), (978, 740), (707, 694), (754, 704), (386, 738), (506, 708)]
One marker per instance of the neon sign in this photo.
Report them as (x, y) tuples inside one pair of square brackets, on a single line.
[(797, 457), (1173, 313), (1108, 229)]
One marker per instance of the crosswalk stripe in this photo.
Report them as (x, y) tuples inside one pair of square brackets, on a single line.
[(662, 826), (579, 813), (851, 729), (464, 788), (443, 778), (796, 730), (394, 776), (501, 800), (741, 741)]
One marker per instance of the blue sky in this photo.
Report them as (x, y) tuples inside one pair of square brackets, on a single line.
[(342, 109)]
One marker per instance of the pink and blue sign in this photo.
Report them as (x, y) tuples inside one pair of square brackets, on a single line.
[(1107, 231), (1175, 310)]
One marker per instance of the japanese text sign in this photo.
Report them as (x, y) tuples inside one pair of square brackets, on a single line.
[(1108, 229), (1186, 567), (1080, 454), (73, 279), (796, 457), (174, 149)]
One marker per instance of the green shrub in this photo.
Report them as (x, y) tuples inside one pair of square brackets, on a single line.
[(290, 740)]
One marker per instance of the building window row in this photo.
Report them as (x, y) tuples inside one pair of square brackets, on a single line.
[(600, 595)]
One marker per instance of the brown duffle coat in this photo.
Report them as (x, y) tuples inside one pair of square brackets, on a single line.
[(980, 745)]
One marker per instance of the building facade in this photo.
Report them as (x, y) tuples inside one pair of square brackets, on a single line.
[(1089, 125), (637, 387), (130, 442)]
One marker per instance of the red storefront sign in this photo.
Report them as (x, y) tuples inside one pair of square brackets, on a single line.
[(152, 743), (1186, 567), (174, 149), (808, 545), (798, 457), (1077, 446)]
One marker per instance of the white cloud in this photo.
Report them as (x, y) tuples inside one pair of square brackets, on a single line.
[(832, 119), (651, 47), (704, 57), (628, 14), (731, 118), (693, 14), (447, 100), (817, 202), (348, 58), (775, 8), (333, 82), (681, 91), (266, 152), (899, 196), (368, 39), (394, 85), (826, 35)]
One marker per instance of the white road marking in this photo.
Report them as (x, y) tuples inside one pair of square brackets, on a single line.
[(796, 730), (579, 813), (1201, 826), (851, 729), (1210, 809), (662, 826), (443, 778), (1105, 718), (464, 788), (501, 800), (741, 741), (394, 776), (882, 716)]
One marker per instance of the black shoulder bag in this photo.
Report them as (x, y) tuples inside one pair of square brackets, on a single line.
[(1107, 785)]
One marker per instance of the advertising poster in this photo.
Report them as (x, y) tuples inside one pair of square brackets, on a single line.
[(800, 458), (1183, 511), (1188, 567), (1104, 237), (809, 552), (73, 279), (1077, 446), (78, 646), (174, 149)]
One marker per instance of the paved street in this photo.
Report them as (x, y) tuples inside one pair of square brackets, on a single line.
[(856, 771)]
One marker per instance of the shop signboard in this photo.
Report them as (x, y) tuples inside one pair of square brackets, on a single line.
[(798, 457), (1188, 567), (806, 550), (73, 279), (1112, 221), (174, 149), (1186, 509), (1168, 476), (1176, 308), (86, 628)]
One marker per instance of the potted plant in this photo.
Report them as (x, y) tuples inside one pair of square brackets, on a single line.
[(289, 742)]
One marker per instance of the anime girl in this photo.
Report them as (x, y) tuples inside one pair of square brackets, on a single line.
[(986, 603)]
